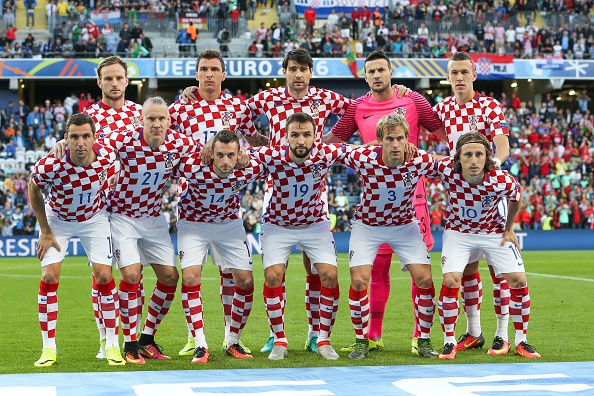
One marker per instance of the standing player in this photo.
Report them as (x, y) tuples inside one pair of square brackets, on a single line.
[(363, 115), (468, 111), (296, 215), (385, 216), (209, 215), (147, 157), (202, 119), (474, 223), (277, 104), (113, 113), (76, 207)]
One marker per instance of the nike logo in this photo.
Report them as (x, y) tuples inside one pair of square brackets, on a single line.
[(520, 264), (517, 305), (329, 309), (110, 299), (367, 116), (240, 312), (109, 256), (115, 361), (43, 299)]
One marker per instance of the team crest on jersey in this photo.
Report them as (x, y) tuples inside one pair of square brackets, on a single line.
[(401, 111), (102, 177), (226, 117), (473, 121), (314, 105), (407, 179), (135, 122), (236, 187), (316, 171), (169, 158), (487, 201), (181, 255), (118, 254)]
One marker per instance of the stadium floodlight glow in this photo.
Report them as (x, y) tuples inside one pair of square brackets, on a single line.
[(136, 82), (514, 84), (529, 80), (267, 85), (558, 97), (444, 82), (429, 91), (571, 93)]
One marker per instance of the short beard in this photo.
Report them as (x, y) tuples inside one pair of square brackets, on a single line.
[(294, 151)]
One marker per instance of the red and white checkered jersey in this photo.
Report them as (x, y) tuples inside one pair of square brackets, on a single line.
[(144, 170), (365, 112), (481, 114), (76, 192), (202, 119), (297, 188), (278, 105), (209, 198), (108, 120), (388, 193), (473, 209)]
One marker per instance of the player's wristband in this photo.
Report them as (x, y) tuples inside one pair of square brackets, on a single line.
[(497, 162)]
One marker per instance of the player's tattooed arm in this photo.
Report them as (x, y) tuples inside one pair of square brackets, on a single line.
[(189, 94), (257, 140), (59, 150), (46, 237)]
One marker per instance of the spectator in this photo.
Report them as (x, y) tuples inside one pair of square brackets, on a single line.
[(310, 19)]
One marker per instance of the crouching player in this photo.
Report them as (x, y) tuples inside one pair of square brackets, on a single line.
[(474, 224), (386, 215)]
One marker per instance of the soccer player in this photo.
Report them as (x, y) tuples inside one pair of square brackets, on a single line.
[(296, 215), (277, 104), (201, 119), (76, 207), (385, 215), (147, 158), (209, 215), (363, 115), (468, 111), (474, 224), (113, 113)]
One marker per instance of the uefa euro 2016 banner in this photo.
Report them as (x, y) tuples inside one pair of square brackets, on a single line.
[(323, 7), (529, 240), (488, 66)]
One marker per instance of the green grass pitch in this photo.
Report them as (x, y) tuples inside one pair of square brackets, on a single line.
[(561, 284)]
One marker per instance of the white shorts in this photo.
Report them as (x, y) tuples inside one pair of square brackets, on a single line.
[(315, 240), (478, 255), (458, 247), (146, 235), (406, 241), (94, 235), (227, 239)]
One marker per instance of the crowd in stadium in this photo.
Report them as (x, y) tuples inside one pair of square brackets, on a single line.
[(551, 154), (429, 28)]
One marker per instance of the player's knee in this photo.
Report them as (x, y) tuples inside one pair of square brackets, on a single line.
[(190, 278), (516, 280), (169, 278), (452, 281), (244, 281), (102, 277)]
